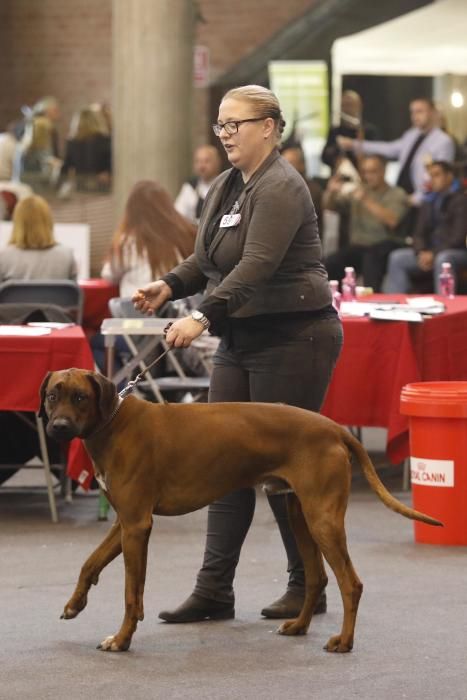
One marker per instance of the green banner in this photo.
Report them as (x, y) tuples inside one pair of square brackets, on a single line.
[(302, 90)]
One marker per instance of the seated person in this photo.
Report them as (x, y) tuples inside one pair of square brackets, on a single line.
[(439, 236), (375, 210), (151, 238), (32, 251), (206, 167), (88, 152)]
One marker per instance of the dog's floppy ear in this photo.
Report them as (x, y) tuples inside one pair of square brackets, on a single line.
[(105, 391), (41, 412)]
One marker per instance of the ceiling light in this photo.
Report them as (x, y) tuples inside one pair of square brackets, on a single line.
[(457, 99)]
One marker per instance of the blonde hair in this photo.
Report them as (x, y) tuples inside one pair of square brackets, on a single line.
[(85, 124), (263, 102), (32, 224)]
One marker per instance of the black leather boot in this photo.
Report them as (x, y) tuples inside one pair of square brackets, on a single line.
[(290, 605), (197, 609)]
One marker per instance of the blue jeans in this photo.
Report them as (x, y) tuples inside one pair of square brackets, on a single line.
[(403, 263)]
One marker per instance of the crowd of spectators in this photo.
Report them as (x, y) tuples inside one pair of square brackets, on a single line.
[(407, 228), (374, 210), (377, 215), (33, 160)]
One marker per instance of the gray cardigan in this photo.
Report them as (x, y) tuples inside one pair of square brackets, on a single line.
[(271, 261), (56, 262)]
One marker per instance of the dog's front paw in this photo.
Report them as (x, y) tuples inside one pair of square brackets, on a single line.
[(68, 613), (337, 646), (73, 608), (292, 627), (112, 644)]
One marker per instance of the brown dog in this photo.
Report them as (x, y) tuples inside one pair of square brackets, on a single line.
[(175, 458)]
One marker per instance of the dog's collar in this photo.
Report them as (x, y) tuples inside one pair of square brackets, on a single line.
[(109, 419)]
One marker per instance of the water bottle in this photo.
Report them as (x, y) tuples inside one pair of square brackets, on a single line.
[(446, 281), (349, 285), (336, 295)]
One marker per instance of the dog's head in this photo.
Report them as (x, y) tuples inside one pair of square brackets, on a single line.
[(76, 402)]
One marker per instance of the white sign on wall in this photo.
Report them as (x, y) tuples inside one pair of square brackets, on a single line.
[(432, 472), (75, 236)]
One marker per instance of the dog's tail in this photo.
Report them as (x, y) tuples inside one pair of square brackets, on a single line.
[(377, 486)]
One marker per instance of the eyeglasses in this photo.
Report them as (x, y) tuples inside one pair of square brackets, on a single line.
[(231, 128)]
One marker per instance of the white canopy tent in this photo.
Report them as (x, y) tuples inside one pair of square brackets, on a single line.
[(429, 41)]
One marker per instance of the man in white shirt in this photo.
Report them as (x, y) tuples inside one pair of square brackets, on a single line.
[(206, 167)]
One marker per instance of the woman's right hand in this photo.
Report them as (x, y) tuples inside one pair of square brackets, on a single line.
[(151, 297)]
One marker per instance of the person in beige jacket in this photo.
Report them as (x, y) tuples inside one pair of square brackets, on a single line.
[(258, 255)]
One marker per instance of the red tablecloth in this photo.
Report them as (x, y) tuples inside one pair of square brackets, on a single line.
[(97, 293), (380, 357), (24, 362)]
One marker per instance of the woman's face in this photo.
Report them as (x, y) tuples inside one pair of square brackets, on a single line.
[(246, 148)]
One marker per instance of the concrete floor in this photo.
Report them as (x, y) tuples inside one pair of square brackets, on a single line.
[(410, 640)]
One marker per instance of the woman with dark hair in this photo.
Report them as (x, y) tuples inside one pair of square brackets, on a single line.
[(152, 237)]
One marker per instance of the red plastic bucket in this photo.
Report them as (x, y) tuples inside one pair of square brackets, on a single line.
[(438, 458)]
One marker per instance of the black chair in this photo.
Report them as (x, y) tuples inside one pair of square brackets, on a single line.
[(66, 294)]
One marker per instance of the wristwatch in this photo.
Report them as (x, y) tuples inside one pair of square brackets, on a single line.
[(201, 318)]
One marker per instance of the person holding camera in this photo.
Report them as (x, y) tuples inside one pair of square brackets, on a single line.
[(374, 209)]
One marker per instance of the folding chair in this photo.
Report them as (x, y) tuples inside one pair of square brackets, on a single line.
[(66, 294), (153, 328)]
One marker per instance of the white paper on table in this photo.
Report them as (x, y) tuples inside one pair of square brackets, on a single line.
[(23, 330), (355, 308), (50, 324), (426, 305), (396, 315)]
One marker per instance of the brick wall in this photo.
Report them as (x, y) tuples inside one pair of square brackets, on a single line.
[(232, 30), (52, 47)]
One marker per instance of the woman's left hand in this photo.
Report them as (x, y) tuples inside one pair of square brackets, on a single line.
[(183, 332)]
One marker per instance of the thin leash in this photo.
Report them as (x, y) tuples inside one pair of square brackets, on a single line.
[(127, 390), (131, 385)]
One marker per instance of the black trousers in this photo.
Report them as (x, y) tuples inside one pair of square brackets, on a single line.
[(369, 261), (295, 369)]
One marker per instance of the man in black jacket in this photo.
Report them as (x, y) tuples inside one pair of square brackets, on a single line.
[(439, 236)]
